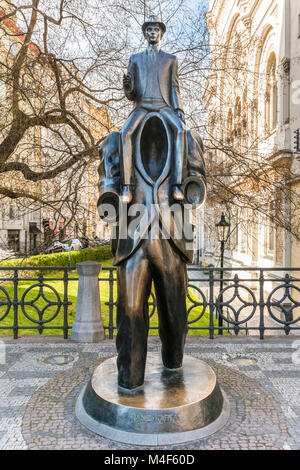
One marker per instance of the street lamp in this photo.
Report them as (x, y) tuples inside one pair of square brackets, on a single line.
[(223, 230)]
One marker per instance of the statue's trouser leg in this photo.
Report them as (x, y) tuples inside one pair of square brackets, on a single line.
[(134, 285), (127, 132), (170, 281), (180, 143)]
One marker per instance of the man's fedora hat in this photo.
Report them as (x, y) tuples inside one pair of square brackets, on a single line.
[(154, 20)]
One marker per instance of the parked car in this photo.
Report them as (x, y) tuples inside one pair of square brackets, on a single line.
[(93, 242), (105, 241), (88, 242), (56, 247), (7, 254), (69, 244)]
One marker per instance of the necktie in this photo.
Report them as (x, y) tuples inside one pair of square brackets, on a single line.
[(153, 52)]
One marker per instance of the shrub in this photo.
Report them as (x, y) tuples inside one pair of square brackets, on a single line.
[(98, 253)]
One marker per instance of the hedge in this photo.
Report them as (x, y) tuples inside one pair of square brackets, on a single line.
[(99, 253)]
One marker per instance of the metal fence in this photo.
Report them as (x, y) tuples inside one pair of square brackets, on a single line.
[(252, 299)]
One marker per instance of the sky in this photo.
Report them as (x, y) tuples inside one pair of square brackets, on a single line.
[(195, 3)]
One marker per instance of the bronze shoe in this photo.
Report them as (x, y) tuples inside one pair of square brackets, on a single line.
[(178, 194), (126, 196)]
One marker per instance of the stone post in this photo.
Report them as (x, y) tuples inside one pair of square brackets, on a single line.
[(88, 325)]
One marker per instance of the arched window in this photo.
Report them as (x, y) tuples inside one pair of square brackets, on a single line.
[(238, 123), (245, 126), (254, 119), (212, 125), (269, 225), (271, 96), (229, 127), (235, 229)]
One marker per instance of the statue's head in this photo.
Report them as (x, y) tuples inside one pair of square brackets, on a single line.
[(153, 30)]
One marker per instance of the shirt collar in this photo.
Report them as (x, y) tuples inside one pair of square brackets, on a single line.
[(155, 48)]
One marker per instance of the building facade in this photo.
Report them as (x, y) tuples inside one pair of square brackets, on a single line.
[(20, 222), (26, 224), (253, 113), (79, 217)]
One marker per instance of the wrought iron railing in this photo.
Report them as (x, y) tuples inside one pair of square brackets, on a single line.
[(26, 303), (252, 299)]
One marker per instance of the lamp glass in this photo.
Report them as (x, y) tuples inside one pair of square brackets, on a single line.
[(223, 228)]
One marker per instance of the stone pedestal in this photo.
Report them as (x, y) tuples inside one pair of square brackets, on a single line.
[(88, 325), (173, 406)]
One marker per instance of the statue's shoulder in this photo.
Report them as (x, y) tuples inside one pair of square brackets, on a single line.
[(169, 56), (135, 57)]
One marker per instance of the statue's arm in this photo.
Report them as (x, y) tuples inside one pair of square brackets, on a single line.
[(196, 161), (175, 92), (195, 186), (128, 82)]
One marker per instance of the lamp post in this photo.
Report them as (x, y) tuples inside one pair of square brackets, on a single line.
[(223, 228)]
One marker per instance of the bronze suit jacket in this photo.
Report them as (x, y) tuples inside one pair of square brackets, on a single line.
[(147, 194), (167, 77)]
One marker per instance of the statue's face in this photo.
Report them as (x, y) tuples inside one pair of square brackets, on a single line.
[(153, 34)]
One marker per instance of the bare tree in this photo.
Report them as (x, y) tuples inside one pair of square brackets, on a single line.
[(249, 173), (57, 58), (54, 59)]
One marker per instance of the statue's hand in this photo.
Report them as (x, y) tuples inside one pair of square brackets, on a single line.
[(181, 115), (127, 83)]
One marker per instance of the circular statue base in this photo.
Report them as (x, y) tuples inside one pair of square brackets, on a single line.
[(174, 406)]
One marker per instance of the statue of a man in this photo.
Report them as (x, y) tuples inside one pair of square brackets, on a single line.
[(159, 154), (152, 83)]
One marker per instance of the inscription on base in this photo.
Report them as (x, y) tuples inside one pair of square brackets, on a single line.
[(159, 419)]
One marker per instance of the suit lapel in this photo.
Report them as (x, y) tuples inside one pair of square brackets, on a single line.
[(161, 59), (162, 65), (144, 72)]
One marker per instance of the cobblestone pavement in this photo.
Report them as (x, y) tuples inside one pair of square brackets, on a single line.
[(40, 379)]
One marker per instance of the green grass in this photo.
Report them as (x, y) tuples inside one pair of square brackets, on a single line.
[(72, 295)]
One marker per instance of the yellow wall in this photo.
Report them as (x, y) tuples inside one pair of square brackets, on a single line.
[(295, 252)]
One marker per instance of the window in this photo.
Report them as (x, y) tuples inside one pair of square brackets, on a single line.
[(13, 240), (274, 105), (2, 92), (11, 212), (33, 233), (235, 229), (238, 123), (254, 119), (243, 230), (14, 48), (271, 96), (270, 230), (229, 127), (266, 223), (245, 120), (271, 238)]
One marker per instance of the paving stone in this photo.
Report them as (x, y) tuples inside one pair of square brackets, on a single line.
[(28, 374), (283, 373), (20, 391), (11, 411), (40, 397)]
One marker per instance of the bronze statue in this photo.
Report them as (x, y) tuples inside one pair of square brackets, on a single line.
[(154, 163), (152, 83)]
